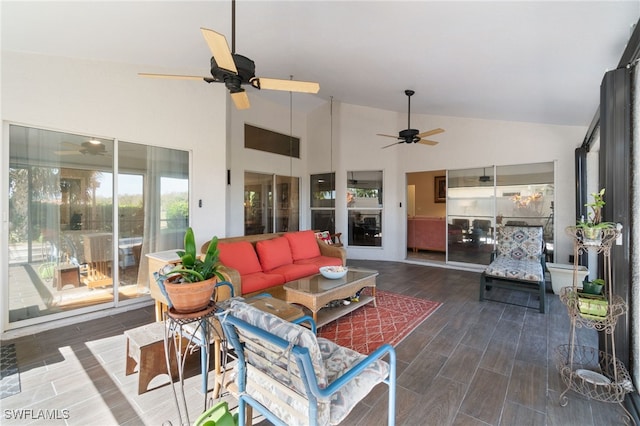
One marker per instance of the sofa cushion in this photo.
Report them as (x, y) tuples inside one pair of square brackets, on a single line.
[(274, 253), (320, 261), (240, 256), (303, 244), (260, 281), (295, 271)]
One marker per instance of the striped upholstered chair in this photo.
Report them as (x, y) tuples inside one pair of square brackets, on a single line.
[(293, 377), (517, 263)]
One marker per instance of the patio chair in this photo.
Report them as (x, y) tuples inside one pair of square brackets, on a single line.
[(293, 378), (517, 263)]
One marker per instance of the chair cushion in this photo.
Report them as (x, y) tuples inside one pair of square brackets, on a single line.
[(240, 256), (303, 244), (286, 330), (337, 361), (509, 268), (520, 242), (273, 253)]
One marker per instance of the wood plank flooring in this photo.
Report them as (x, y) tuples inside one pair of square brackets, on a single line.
[(469, 363)]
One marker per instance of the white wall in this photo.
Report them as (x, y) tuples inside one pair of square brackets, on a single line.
[(466, 143), (110, 100), (270, 116)]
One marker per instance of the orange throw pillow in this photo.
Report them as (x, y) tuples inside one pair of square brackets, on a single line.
[(303, 244), (273, 253)]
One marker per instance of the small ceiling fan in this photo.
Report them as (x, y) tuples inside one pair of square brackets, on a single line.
[(235, 70), (91, 147), (410, 135)]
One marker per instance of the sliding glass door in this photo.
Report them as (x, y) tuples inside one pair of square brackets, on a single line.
[(67, 251), (480, 200)]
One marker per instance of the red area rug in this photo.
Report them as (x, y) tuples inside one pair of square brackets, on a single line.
[(365, 329)]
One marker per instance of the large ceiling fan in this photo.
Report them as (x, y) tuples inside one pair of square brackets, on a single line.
[(410, 135), (235, 70)]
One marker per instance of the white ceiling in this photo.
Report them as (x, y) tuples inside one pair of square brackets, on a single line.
[(536, 61)]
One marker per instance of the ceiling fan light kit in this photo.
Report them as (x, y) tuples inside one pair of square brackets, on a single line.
[(410, 135)]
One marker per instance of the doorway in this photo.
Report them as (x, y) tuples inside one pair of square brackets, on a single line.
[(426, 216)]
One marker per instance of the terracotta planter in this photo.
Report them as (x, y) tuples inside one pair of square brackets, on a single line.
[(190, 297)]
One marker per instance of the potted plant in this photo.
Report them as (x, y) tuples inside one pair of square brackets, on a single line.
[(593, 226), (190, 284), (593, 286)]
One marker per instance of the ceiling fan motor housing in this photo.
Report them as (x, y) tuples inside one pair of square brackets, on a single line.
[(246, 71), (409, 135)]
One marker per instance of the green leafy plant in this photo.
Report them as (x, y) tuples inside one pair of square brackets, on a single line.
[(594, 217), (191, 268)]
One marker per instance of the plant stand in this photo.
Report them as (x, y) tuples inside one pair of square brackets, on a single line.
[(593, 373)]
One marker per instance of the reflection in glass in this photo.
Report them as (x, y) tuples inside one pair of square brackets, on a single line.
[(364, 206), (266, 210), (323, 201), (61, 213), (479, 200)]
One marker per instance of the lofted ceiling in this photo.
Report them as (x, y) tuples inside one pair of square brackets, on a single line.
[(535, 61)]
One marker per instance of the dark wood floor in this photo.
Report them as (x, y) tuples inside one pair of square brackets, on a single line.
[(469, 363)]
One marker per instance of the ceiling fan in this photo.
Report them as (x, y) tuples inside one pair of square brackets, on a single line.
[(410, 135), (91, 147), (484, 178), (235, 70)]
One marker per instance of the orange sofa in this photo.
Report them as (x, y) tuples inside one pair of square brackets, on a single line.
[(263, 263)]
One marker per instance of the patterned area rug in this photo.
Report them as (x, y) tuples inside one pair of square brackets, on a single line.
[(365, 329), (9, 377)]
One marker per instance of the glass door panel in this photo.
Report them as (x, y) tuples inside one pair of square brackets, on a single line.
[(470, 213), (60, 236)]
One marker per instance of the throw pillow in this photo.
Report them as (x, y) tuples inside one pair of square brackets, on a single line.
[(324, 236)]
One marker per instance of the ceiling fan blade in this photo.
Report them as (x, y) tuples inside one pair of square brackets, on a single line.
[(428, 142), (387, 146), (240, 99), (387, 136), (286, 85), (431, 132), (172, 76), (219, 49)]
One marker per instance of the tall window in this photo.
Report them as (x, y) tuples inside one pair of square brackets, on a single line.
[(65, 253), (364, 207), (271, 203), (323, 202)]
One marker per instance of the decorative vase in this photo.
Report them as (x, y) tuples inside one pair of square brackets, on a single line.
[(190, 297)]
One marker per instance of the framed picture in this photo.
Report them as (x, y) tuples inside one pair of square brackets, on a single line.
[(440, 189)]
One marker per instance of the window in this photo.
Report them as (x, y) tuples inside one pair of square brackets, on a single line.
[(271, 203), (65, 253), (323, 202), (364, 207)]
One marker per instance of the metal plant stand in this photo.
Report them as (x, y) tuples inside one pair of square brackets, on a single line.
[(593, 373)]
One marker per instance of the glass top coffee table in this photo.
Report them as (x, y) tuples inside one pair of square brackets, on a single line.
[(316, 291)]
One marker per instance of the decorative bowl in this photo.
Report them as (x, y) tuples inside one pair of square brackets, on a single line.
[(333, 272)]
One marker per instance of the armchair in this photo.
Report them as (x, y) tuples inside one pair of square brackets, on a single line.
[(518, 262), (292, 377)]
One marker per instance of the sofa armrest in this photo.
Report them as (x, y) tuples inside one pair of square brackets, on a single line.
[(233, 276), (332, 251)]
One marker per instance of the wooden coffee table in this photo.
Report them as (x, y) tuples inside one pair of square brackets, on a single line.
[(316, 291)]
